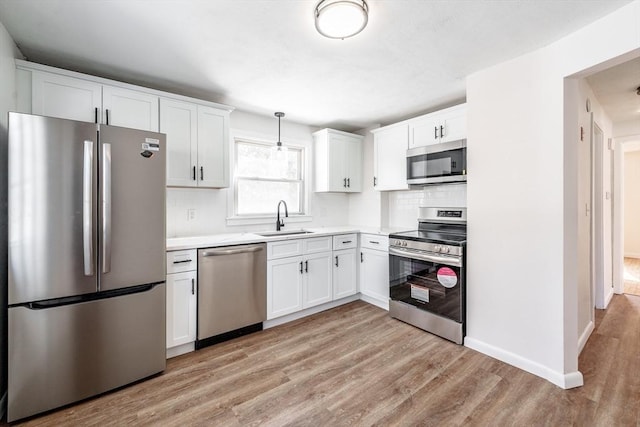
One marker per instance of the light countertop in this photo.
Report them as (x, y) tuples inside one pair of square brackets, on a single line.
[(229, 239)]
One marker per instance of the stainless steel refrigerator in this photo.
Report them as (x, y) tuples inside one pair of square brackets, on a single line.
[(86, 231)]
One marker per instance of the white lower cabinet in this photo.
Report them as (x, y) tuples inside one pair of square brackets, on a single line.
[(181, 308), (182, 299), (344, 273), (301, 281), (374, 268)]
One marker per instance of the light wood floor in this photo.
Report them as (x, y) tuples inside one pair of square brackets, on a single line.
[(354, 365), (632, 276)]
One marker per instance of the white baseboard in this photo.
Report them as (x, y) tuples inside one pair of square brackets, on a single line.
[(384, 304), (181, 349), (308, 312), (585, 336), (565, 381), (608, 297), (632, 254)]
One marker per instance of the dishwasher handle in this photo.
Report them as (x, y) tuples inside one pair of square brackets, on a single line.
[(232, 251)]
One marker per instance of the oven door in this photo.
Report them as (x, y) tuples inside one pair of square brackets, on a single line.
[(437, 163), (428, 281)]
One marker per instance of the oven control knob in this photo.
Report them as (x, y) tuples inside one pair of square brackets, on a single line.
[(437, 248), (404, 243), (446, 249)]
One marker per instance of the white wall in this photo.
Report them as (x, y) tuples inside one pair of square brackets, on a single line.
[(632, 204), (629, 128), (522, 199), (8, 51), (211, 205), (404, 206), (365, 208)]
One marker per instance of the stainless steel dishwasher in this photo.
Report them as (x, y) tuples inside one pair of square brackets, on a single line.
[(232, 292)]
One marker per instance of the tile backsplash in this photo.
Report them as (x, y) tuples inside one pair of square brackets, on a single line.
[(404, 205)]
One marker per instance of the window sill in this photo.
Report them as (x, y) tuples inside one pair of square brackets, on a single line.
[(255, 220)]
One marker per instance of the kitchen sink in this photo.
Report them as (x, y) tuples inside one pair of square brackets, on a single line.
[(283, 233)]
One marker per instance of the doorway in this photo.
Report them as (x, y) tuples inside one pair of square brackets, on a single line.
[(630, 175)]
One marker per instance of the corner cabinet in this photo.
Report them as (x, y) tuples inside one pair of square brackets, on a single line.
[(345, 281), (197, 144), (390, 157), (338, 161), (182, 296)]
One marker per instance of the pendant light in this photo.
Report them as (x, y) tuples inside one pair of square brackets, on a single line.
[(279, 151), (340, 19)]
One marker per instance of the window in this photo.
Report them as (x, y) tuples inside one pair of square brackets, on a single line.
[(263, 177)]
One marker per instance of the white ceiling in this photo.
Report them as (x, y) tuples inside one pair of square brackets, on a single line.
[(616, 89), (265, 55)]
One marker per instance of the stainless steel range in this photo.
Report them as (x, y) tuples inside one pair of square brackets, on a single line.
[(427, 273)]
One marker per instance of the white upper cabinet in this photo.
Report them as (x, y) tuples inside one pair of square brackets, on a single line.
[(179, 121), (445, 125), (71, 98), (65, 97), (197, 131), (390, 157), (338, 161), (213, 145), (129, 108), (196, 144)]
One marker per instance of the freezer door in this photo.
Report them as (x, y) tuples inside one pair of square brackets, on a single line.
[(52, 208), (63, 354), (131, 208)]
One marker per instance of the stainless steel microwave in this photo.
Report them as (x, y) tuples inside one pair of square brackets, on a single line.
[(438, 163)]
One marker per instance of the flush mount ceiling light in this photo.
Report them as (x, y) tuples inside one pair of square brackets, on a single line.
[(339, 19)]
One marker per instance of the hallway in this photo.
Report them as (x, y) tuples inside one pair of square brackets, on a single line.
[(631, 276)]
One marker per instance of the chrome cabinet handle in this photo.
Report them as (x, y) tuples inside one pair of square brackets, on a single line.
[(374, 242), (87, 208), (183, 261), (194, 173), (435, 129), (193, 286), (106, 207), (337, 261), (231, 251), (375, 181), (441, 131), (95, 119), (345, 183), (201, 173), (107, 114), (306, 266), (361, 257), (344, 242), (349, 182), (300, 267)]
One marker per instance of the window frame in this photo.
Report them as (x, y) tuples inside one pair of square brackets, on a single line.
[(233, 218)]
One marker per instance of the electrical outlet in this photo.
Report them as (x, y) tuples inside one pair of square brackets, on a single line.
[(191, 214)]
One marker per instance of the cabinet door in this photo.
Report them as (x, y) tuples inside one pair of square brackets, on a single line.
[(284, 286), (353, 165), (129, 108), (336, 163), (344, 273), (317, 280), (455, 125), (213, 159), (65, 97), (181, 308), (374, 274), (179, 121), (390, 158), (424, 131)]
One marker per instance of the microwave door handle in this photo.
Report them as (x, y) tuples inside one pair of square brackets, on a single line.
[(452, 261)]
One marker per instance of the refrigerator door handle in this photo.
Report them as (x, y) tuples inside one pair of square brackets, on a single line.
[(106, 208), (87, 208)]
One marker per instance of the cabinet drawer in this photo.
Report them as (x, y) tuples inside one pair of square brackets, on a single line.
[(374, 241), (283, 249), (179, 261), (317, 244), (345, 241)]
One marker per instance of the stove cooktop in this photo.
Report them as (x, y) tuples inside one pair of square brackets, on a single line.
[(431, 236)]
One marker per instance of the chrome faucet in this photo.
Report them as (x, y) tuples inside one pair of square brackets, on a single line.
[(280, 222)]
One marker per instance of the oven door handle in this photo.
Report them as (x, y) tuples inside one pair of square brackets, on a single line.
[(446, 260)]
